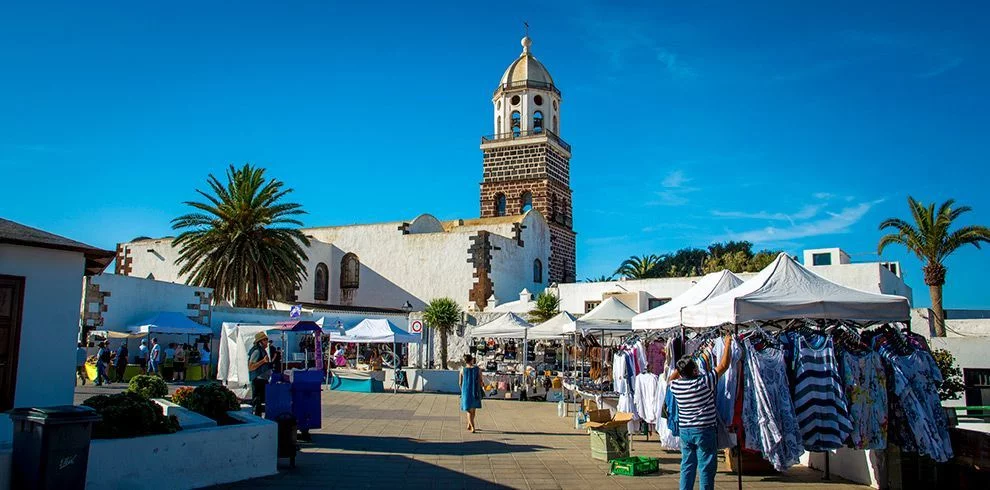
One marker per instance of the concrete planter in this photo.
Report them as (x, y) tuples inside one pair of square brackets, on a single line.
[(431, 380), (190, 458)]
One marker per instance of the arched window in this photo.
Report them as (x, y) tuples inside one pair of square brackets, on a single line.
[(322, 280), (538, 122), (556, 129), (498, 125), (499, 204), (516, 123), (350, 271), (553, 207), (538, 271), (525, 202)]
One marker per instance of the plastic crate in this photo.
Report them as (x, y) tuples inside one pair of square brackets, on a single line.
[(634, 466)]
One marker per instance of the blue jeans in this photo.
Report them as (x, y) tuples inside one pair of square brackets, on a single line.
[(153, 367), (698, 447)]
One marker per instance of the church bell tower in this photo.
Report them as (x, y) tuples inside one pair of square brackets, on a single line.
[(526, 162)]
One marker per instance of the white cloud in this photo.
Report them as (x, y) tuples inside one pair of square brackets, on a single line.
[(675, 179), (832, 223), (942, 68), (674, 66), (804, 213), (823, 195), (674, 192)]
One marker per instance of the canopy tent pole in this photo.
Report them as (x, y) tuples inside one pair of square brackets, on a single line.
[(739, 433)]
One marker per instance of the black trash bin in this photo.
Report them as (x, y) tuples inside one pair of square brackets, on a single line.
[(51, 446), (287, 445)]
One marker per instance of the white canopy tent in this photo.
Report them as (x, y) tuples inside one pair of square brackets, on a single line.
[(373, 331), (170, 323), (552, 328), (784, 290), (236, 339), (668, 315), (610, 317), (506, 326)]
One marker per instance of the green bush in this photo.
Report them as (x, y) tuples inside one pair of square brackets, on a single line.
[(148, 386), (129, 414), (213, 400)]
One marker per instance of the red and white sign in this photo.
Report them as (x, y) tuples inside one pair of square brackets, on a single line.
[(416, 326)]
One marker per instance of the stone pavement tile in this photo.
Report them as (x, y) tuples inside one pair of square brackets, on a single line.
[(512, 483)]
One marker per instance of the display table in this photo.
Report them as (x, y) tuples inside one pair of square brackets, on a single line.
[(193, 373), (357, 381)]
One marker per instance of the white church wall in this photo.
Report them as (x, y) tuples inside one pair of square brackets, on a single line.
[(134, 299), (154, 258), (512, 266)]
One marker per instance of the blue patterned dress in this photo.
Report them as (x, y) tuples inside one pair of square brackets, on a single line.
[(470, 389), (866, 393), (768, 414)]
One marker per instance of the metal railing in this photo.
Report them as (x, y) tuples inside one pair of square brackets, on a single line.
[(526, 134), (528, 84)]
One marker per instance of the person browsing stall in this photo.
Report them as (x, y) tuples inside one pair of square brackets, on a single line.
[(694, 392), (260, 371)]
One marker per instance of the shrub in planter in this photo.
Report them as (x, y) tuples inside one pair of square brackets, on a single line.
[(213, 400), (148, 386), (129, 414), (181, 396)]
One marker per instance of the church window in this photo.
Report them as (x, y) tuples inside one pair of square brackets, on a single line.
[(515, 100), (538, 100), (537, 271), (498, 125), (350, 271), (500, 205), (498, 104), (322, 280), (526, 202), (516, 123), (538, 122), (553, 206), (555, 106), (555, 128)]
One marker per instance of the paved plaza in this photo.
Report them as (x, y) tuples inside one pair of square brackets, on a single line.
[(416, 440)]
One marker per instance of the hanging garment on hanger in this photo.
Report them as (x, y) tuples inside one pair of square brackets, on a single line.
[(818, 395), (768, 414), (917, 421), (646, 397), (655, 356), (725, 391), (668, 439), (865, 384), (619, 378)]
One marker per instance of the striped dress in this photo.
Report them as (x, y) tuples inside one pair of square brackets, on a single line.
[(819, 397)]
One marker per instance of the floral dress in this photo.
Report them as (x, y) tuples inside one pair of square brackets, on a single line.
[(917, 417), (768, 413), (865, 384)]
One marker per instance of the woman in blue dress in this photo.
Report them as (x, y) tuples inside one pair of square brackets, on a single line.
[(470, 381)]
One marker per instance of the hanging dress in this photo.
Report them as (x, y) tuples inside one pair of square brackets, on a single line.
[(921, 423), (818, 396), (865, 385), (768, 414)]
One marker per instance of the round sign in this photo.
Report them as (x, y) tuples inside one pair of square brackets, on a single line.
[(416, 326)]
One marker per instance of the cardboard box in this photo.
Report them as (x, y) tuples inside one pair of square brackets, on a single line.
[(609, 444), (603, 420)]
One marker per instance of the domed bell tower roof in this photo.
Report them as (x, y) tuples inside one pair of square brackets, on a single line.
[(526, 70)]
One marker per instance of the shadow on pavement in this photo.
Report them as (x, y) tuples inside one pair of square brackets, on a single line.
[(405, 445)]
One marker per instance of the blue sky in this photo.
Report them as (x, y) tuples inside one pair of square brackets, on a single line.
[(790, 125)]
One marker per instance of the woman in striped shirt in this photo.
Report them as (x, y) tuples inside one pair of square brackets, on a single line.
[(695, 395)]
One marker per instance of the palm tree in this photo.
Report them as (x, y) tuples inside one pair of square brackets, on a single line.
[(442, 314), (547, 307), (642, 267), (930, 239), (601, 278), (245, 242)]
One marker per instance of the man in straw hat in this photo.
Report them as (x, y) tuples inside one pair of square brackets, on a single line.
[(260, 367)]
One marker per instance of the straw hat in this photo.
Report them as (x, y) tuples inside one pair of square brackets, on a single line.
[(258, 337)]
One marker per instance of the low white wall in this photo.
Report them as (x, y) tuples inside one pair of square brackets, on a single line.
[(187, 459), (863, 467), (432, 380), (187, 418)]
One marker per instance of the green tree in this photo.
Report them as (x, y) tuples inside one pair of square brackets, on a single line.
[(931, 241), (244, 242), (547, 306), (601, 278), (641, 267), (952, 385), (442, 315), (686, 262)]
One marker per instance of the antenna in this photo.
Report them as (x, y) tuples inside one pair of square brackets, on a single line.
[(526, 27)]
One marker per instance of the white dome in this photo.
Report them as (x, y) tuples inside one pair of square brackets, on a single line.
[(526, 68)]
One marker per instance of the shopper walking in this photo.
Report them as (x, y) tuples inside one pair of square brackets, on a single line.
[(155, 357), (81, 363), (471, 391), (695, 395), (179, 363), (204, 360), (120, 363), (102, 362), (260, 371), (143, 356)]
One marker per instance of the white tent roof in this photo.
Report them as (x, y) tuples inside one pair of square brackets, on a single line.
[(236, 340), (668, 315), (552, 328), (507, 326), (784, 290), (374, 331), (170, 323), (611, 316)]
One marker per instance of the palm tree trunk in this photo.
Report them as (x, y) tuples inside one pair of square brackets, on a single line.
[(443, 348), (936, 294)]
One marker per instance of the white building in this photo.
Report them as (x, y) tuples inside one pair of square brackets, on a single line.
[(523, 238), (41, 277)]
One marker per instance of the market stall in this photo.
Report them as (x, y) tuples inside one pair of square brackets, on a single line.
[(175, 325), (297, 391), (503, 368), (668, 315), (598, 334), (369, 331), (115, 338)]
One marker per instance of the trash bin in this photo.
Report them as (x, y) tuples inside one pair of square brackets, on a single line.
[(306, 406), (287, 437), (51, 446)]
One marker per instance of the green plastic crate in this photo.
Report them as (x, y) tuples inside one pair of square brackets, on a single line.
[(635, 466)]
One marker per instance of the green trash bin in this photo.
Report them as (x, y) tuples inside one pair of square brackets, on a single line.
[(51, 447)]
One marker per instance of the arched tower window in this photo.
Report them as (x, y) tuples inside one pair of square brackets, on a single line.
[(537, 271), (500, 204), (516, 123), (350, 271), (553, 206), (556, 129), (498, 125), (538, 122), (322, 279), (525, 202)]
